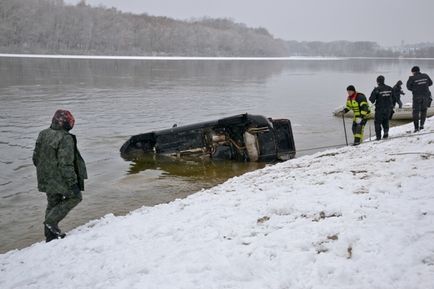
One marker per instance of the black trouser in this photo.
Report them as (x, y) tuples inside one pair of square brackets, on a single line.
[(399, 102), (59, 206), (419, 111), (382, 120)]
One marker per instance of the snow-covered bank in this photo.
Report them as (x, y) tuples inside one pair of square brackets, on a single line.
[(356, 217), (110, 57), (118, 57)]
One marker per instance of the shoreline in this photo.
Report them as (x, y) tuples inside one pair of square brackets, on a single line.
[(114, 57), (342, 218)]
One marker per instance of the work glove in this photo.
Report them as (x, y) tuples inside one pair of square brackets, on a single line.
[(358, 120)]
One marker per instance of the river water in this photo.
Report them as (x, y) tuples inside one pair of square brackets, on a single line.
[(114, 99)]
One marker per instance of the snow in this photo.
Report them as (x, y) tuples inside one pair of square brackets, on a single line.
[(109, 57), (355, 217), (119, 57)]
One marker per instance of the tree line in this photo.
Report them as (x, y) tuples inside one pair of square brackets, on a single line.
[(358, 49), (54, 27), (423, 52), (51, 26), (339, 49)]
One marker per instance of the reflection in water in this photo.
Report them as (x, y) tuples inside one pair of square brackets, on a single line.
[(133, 73), (209, 171)]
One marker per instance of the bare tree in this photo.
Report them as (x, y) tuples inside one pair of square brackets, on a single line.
[(51, 26)]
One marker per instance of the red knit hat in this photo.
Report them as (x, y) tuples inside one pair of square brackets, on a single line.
[(64, 118)]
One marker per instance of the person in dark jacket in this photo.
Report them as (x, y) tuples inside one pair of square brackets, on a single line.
[(382, 97), (397, 92), (358, 103), (419, 85), (60, 170)]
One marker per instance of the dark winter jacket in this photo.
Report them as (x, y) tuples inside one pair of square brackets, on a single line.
[(58, 162), (419, 84), (397, 92), (382, 97)]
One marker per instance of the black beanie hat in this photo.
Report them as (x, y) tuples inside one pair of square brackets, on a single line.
[(415, 69), (351, 88), (380, 79)]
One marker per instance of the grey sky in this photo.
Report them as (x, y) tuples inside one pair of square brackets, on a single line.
[(384, 21)]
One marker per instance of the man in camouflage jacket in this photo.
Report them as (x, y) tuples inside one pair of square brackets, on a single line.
[(60, 170)]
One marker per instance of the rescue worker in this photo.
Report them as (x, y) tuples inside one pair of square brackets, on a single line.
[(358, 103), (397, 92), (382, 97), (60, 170), (419, 85)]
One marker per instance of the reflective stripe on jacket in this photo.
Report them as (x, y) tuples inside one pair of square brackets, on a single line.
[(382, 97), (358, 104), (419, 85)]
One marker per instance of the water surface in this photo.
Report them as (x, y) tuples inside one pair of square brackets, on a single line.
[(114, 99)]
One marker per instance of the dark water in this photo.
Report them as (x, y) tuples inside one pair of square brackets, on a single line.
[(114, 99)]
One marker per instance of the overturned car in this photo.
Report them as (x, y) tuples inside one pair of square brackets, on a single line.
[(242, 137)]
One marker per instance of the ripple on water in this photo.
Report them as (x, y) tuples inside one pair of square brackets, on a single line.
[(4, 184), (113, 99)]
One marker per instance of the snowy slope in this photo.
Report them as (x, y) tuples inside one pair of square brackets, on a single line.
[(356, 217)]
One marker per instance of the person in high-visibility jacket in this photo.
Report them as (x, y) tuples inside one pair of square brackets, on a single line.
[(358, 103)]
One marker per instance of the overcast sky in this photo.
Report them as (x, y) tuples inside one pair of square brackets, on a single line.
[(387, 22)]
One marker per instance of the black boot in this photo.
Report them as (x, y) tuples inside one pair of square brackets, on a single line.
[(53, 232), (357, 141), (378, 134), (49, 236)]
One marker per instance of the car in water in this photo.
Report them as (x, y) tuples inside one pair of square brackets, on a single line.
[(244, 137)]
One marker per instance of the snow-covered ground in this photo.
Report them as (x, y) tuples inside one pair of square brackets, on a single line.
[(114, 57), (356, 217)]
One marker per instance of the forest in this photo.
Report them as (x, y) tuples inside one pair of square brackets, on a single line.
[(339, 49), (358, 49), (51, 26)]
